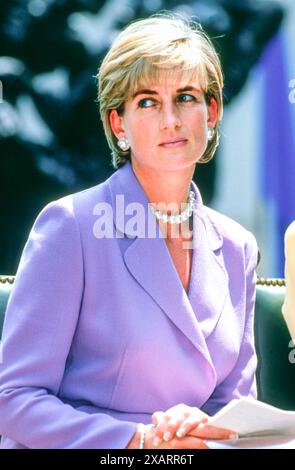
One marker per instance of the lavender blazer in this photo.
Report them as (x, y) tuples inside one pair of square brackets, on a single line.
[(99, 332)]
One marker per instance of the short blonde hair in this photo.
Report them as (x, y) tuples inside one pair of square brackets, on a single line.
[(146, 51)]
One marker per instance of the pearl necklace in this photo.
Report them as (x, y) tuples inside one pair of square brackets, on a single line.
[(177, 219)]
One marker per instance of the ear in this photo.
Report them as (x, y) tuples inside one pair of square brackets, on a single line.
[(212, 112), (116, 123)]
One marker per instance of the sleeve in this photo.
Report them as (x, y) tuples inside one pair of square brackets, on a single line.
[(241, 382), (39, 326)]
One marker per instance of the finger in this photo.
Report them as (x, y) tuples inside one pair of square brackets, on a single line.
[(206, 431), (167, 430), (187, 442), (171, 427), (157, 417), (162, 420), (189, 424)]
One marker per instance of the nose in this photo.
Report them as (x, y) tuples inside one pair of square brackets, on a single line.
[(170, 118)]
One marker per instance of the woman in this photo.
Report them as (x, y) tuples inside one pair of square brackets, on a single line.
[(140, 325)]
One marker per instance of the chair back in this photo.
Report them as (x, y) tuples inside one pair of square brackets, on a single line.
[(6, 284), (274, 347)]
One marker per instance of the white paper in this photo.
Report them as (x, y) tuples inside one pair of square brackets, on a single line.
[(281, 442), (255, 418)]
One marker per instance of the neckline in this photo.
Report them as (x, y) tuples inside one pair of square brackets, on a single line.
[(191, 274)]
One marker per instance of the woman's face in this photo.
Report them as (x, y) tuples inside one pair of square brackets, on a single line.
[(165, 125)]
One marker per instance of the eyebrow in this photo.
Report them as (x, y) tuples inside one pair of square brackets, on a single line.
[(152, 92)]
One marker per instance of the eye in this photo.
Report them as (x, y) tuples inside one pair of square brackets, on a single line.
[(186, 98), (146, 103)]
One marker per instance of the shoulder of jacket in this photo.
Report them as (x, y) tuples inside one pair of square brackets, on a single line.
[(81, 199)]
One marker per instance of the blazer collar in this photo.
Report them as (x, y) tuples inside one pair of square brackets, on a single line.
[(149, 262), (125, 183)]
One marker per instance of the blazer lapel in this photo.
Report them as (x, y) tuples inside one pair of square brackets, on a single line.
[(150, 263), (209, 279)]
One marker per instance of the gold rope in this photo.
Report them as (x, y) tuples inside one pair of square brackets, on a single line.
[(261, 281)]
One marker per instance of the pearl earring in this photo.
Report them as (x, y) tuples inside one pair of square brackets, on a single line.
[(123, 144), (210, 133)]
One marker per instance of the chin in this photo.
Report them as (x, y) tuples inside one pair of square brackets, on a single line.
[(180, 164)]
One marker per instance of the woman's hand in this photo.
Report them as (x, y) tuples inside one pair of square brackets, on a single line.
[(182, 420), (176, 421), (186, 442)]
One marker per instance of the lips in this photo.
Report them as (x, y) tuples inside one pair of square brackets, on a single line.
[(179, 142)]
